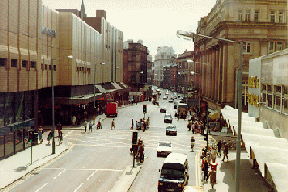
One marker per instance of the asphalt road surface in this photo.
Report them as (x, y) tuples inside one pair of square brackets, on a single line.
[(95, 161)]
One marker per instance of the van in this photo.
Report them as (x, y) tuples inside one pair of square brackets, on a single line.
[(112, 109), (174, 173)]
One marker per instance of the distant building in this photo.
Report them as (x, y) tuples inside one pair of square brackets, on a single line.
[(135, 65), (149, 69), (162, 58), (261, 25), (185, 66)]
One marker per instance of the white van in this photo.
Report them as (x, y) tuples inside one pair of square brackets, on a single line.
[(174, 173)]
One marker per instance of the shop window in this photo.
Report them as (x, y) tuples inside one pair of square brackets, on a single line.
[(269, 99), (33, 64), (285, 106), (239, 15), (24, 63), (256, 16), (13, 62), (277, 100), (3, 62)]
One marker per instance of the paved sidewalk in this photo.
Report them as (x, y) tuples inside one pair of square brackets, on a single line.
[(250, 180), (18, 165)]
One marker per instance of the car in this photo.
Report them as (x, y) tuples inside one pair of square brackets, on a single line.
[(167, 93), (168, 118), (164, 148), (162, 110), (171, 130), (165, 98), (170, 100)]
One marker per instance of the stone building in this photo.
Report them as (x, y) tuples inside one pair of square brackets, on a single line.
[(185, 66), (260, 25), (135, 64), (162, 58)]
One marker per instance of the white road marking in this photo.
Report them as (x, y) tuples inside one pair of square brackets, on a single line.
[(92, 175), (78, 187), (116, 170), (41, 187), (59, 174)]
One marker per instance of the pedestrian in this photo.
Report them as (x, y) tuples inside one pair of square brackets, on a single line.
[(112, 124), (225, 151), (192, 143), (50, 135), (212, 175), (90, 127), (99, 125), (219, 145), (85, 125), (58, 127), (40, 133), (205, 168), (213, 155), (144, 126), (60, 137), (132, 124)]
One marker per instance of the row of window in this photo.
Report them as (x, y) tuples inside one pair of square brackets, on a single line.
[(272, 47), (83, 69), (275, 97), (274, 17), (14, 62)]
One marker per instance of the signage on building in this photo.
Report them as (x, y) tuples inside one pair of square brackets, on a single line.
[(253, 82), (49, 32)]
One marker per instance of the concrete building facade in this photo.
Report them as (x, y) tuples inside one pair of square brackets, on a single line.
[(162, 58), (260, 25)]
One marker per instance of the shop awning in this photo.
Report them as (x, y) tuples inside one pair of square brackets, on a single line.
[(270, 152)]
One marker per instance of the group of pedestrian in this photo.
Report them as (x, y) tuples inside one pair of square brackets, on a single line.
[(196, 126), (60, 134), (208, 156)]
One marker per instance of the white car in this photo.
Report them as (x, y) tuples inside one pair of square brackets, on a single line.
[(164, 148), (165, 98)]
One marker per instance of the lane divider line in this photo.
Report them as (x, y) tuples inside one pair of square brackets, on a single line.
[(41, 187), (78, 187)]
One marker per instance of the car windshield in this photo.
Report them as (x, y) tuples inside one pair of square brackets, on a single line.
[(172, 173), (168, 116), (165, 144)]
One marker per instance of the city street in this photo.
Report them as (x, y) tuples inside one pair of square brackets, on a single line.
[(95, 161)]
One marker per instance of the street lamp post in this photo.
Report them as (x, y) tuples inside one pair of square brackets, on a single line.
[(94, 86), (185, 35)]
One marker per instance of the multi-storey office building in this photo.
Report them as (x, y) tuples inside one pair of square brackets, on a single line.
[(260, 25), (162, 58), (36, 41), (185, 66)]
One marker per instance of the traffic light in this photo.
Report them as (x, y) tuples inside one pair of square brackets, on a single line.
[(206, 137), (134, 137), (144, 108)]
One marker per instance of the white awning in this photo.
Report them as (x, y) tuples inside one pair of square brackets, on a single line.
[(267, 148)]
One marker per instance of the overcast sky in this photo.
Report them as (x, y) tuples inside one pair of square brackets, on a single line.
[(153, 21)]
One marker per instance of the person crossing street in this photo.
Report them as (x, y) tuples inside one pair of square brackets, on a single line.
[(113, 124)]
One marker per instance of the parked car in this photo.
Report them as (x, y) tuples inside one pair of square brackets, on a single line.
[(168, 118), (164, 148), (171, 130), (162, 110), (170, 100), (165, 97), (167, 93)]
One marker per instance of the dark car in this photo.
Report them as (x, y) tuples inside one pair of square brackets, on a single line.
[(162, 110), (168, 118), (171, 130)]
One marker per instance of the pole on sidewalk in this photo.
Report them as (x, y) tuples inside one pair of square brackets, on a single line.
[(238, 142), (53, 117)]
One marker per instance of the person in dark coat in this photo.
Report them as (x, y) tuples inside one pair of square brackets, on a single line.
[(219, 145), (205, 169), (225, 151)]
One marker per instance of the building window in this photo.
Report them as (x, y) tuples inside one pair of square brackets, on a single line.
[(13, 62), (285, 106), (239, 15), (49, 67), (247, 15), (271, 47), (24, 63), (272, 16), (246, 47), (281, 17), (256, 16), (46, 67), (54, 67), (279, 46), (3, 62), (33, 64)]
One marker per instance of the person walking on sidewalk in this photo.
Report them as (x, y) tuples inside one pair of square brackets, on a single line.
[(192, 143), (112, 124), (132, 124), (212, 175), (225, 151), (60, 137), (49, 137), (205, 168), (219, 145)]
